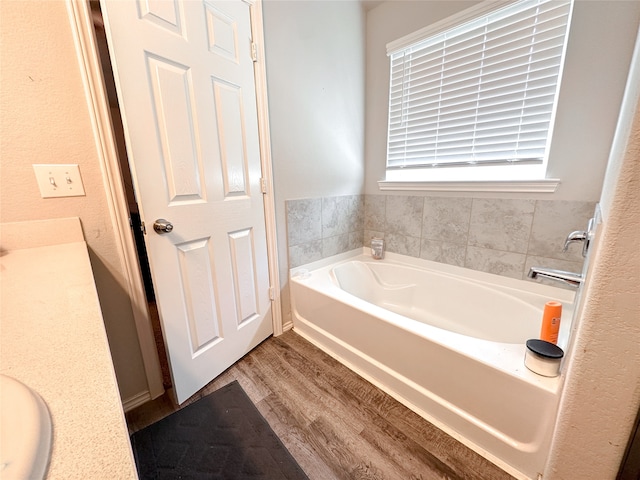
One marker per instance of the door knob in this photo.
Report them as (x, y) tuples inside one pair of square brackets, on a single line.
[(162, 226)]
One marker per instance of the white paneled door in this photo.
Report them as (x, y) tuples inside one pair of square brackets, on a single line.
[(185, 77)]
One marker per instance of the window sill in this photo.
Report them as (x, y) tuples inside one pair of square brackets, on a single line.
[(546, 185)]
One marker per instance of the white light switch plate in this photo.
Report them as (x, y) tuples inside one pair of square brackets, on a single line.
[(56, 180)]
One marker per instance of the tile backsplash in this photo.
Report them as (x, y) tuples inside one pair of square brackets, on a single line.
[(501, 236), (322, 227)]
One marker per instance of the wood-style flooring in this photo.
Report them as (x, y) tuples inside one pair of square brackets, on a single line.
[(336, 424)]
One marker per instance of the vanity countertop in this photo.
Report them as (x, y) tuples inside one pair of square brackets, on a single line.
[(53, 339)]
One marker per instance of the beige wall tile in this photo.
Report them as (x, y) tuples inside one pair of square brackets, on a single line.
[(501, 224), (507, 264)]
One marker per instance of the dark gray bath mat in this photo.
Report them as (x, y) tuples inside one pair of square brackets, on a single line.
[(221, 436)]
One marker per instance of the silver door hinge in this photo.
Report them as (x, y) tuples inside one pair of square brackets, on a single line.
[(254, 52), (143, 228), (272, 294), (263, 185)]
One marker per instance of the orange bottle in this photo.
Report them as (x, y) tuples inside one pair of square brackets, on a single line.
[(551, 322)]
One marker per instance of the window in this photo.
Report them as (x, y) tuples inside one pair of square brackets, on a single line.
[(475, 100)]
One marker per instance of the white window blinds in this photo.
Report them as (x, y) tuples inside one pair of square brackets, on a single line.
[(481, 93)]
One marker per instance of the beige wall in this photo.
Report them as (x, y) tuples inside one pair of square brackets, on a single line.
[(602, 391), (45, 120)]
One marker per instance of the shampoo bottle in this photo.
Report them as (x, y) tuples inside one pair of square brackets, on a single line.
[(551, 322)]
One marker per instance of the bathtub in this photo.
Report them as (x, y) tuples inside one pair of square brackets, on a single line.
[(445, 341)]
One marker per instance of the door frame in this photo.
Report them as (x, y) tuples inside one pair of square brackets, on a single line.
[(99, 112)]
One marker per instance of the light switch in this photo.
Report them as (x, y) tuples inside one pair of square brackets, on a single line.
[(56, 180)]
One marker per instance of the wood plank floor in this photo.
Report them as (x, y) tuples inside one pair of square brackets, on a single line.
[(336, 424)]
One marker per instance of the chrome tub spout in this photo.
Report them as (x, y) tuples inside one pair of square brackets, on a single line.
[(570, 278)]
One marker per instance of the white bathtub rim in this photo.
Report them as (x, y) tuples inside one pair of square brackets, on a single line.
[(397, 396), (510, 293), (324, 262), (563, 295), (306, 274), (506, 357)]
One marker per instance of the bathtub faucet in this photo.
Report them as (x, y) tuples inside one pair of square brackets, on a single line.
[(377, 248), (570, 278), (584, 236)]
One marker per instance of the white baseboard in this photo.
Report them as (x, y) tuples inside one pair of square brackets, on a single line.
[(137, 400), (287, 326)]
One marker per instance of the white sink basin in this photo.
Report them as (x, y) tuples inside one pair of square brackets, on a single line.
[(25, 432)]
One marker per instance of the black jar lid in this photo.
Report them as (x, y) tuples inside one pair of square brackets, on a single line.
[(544, 348)]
